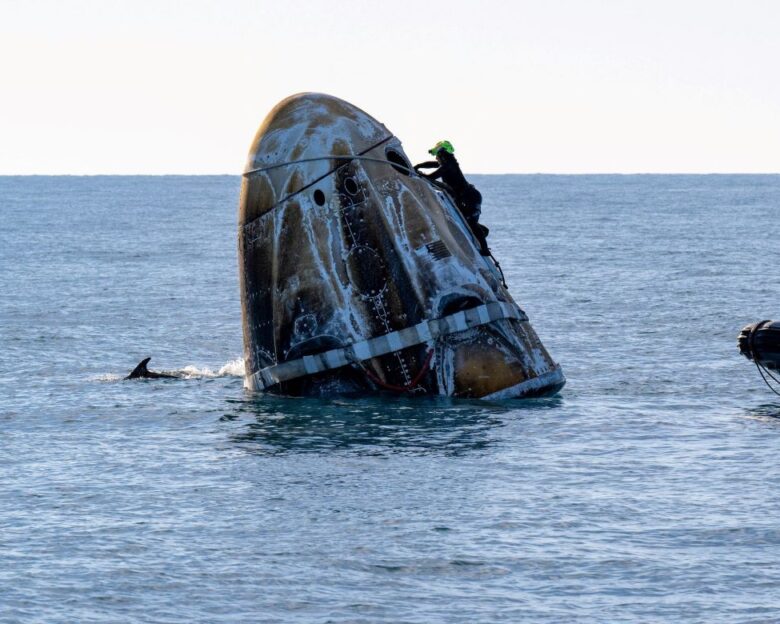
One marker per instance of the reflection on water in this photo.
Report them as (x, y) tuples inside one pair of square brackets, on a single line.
[(373, 426), (765, 411)]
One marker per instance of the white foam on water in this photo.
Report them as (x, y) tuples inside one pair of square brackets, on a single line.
[(106, 377), (233, 368)]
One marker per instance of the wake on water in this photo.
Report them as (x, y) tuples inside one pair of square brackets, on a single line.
[(232, 368)]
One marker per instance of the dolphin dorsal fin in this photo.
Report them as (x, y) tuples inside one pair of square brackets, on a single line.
[(140, 370)]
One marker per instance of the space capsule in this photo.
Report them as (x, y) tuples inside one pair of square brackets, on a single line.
[(359, 276)]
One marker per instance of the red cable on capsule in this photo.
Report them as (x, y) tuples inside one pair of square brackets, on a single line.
[(410, 386)]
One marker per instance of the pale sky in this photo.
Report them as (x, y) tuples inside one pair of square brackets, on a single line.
[(545, 86)]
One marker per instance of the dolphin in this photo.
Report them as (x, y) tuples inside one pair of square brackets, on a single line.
[(141, 372)]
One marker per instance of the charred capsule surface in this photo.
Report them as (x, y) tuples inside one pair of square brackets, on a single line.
[(358, 275)]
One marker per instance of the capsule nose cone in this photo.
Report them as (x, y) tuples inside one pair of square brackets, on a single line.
[(295, 144)]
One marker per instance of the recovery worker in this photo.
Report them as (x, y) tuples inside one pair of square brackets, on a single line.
[(466, 196)]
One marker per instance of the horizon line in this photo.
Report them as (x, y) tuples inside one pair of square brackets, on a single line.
[(521, 173)]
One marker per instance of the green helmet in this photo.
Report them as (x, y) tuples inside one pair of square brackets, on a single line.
[(442, 145)]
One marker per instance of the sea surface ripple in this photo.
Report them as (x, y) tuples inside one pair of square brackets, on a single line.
[(646, 491)]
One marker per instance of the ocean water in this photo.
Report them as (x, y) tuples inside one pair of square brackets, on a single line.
[(646, 491)]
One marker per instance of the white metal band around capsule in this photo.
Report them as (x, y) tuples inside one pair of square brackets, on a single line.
[(424, 332)]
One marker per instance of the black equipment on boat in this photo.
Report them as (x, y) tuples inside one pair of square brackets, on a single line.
[(760, 342)]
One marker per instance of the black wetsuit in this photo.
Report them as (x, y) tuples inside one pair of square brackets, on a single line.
[(467, 198)]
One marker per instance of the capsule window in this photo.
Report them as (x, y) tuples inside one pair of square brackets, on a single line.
[(398, 161), (319, 197), (457, 303), (350, 186)]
